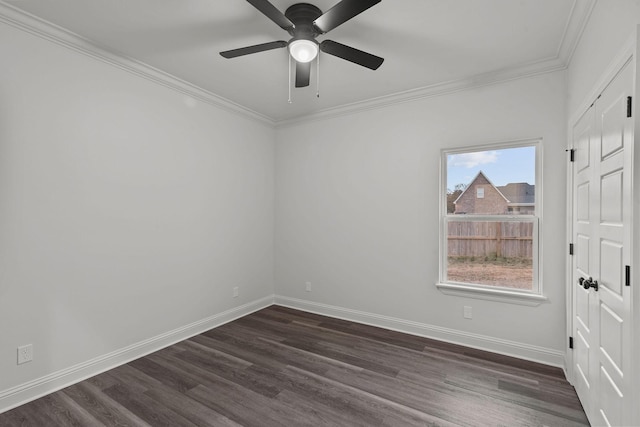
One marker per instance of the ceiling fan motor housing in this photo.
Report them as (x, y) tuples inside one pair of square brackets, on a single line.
[(302, 15), (304, 22)]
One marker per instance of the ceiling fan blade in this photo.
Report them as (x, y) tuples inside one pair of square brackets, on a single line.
[(253, 49), (271, 12), (303, 73), (341, 13), (351, 54)]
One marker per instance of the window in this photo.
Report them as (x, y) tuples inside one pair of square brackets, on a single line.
[(490, 223)]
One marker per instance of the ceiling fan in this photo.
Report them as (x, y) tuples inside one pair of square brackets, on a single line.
[(305, 22)]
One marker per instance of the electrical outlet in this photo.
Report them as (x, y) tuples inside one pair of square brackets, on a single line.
[(308, 287), (467, 312), (25, 354), (236, 291)]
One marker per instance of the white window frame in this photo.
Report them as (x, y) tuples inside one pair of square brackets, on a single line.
[(480, 192), (494, 293)]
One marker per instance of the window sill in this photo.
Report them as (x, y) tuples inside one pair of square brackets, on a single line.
[(500, 295)]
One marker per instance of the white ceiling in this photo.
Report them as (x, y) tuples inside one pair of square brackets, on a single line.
[(427, 44)]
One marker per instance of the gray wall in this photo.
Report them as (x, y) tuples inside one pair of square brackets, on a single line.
[(357, 212), (126, 209)]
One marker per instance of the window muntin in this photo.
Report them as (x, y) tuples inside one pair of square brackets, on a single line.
[(492, 241)]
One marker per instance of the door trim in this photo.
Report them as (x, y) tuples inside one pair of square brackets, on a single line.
[(628, 53)]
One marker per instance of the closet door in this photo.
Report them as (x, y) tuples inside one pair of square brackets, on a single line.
[(601, 224)]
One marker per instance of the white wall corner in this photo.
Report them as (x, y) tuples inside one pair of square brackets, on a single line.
[(24, 21), (574, 28), (529, 352), (55, 381)]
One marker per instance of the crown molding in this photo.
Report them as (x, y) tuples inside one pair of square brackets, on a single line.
[(574, 28), (526, 70), (29, 23)]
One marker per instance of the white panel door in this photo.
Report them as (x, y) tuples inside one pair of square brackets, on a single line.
[(601, 216), (583, 323)]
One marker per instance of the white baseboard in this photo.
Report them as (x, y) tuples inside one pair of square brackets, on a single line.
[(529, 352), (39, 387)]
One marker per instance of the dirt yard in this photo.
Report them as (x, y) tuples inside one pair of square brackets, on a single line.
[(518, 275)]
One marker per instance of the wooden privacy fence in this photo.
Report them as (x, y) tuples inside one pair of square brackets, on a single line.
[(487, 238)]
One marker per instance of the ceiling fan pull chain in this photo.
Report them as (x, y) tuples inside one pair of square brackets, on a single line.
[(290, 83), (318, 75)]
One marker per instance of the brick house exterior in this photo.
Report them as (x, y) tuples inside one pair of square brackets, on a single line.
[(481, 197)]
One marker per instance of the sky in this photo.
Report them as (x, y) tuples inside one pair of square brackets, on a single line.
[(500, 166)]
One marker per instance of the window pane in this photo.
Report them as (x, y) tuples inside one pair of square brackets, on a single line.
[(493, 253), (490, 226), (492, 182)]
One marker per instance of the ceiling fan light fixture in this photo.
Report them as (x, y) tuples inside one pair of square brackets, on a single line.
[(303, 50)]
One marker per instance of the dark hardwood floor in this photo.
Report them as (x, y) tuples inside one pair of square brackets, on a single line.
[(285, 367)]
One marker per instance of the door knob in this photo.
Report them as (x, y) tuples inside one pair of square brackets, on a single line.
[(588, 283)]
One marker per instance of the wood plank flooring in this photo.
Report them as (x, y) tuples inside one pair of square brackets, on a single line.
[(281, 367)]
